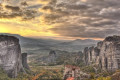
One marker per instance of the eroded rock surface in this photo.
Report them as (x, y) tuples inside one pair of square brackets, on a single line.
[(10, 55), (24, 61), (52, 57), (106, 55)]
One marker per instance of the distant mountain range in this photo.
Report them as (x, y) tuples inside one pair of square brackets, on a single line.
[(75, 45), (32, 45), (80, 42)]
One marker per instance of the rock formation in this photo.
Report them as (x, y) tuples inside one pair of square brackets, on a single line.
[(24, 61), (10, 55), (52, 57), (106, 55), (90, 55)]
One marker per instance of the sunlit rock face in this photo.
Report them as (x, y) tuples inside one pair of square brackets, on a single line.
[(90, 55), (110, 53), (106, 55), (10, 55)]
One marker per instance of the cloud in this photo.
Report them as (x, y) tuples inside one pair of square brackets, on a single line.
[(99, 18), (9, 11), (77, 6), (13, 8), (24, 3), (103, 23), (82, 32), (34, 6), (67, 18), (110, 12)]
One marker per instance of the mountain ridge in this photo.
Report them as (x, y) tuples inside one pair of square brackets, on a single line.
[(35, 45)]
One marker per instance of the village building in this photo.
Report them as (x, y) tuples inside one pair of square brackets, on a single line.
[(71, 73)]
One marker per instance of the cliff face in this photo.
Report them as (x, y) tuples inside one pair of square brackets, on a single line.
[(10, 55), (52, 57), (90, 55), (24, 61), (106, 55)]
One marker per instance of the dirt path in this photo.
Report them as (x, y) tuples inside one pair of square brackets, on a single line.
[(37, 76)]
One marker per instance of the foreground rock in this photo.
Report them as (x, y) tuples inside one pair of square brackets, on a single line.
[(106, 55), (10, 55)]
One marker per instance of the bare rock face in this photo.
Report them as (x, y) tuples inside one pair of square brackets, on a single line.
[(110, 53), (24, 61), (90, 55), (85, 55), (106, 55), (10, 55), (52, 57), (99, 44)]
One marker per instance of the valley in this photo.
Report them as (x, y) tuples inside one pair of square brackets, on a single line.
[(48, 63)]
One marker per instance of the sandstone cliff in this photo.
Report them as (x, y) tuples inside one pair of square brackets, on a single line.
[(106, 55), (10, 55)]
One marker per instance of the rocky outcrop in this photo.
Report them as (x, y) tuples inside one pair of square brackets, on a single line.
[(24, 61), (52, 57), (90, 55), (106, 55), (10, 55)]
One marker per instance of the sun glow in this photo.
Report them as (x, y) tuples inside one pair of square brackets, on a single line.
[(28, 28), (83, 0), (3, 30)]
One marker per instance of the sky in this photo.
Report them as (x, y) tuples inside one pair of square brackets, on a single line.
[(60, 19)]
